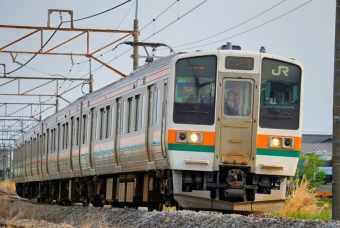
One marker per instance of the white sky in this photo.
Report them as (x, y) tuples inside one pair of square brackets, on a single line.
[(306, 34)]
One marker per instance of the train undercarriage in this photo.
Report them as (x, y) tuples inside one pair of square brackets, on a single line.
[(230, 189)]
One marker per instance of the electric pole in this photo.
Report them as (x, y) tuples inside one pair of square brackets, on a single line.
[(135, 39), (336, 121)]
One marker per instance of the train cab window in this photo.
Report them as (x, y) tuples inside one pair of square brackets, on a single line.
[(280, 95), (195, 89), (237, 98)]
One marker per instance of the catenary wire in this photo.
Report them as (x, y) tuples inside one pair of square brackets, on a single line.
[(120, 23), (99, 13), (151, 35), (176, 20), (251, 28), (232, 27), (36, 53)]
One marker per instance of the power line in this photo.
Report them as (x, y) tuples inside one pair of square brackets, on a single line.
[(99, 13), (151, 35), (251, 28), (233, 26), (158, 15), (176, 19), (120, 22), (37, 51)]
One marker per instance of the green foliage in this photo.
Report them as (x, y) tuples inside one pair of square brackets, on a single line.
[(309, 166)]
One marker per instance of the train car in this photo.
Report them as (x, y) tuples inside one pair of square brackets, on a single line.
[(208, 130)]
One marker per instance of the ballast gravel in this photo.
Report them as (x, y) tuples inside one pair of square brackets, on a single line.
[(36, 215)]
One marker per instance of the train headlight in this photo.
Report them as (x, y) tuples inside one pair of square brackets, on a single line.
[(281, 142), (189, 137), (275, 142), (193, 137)]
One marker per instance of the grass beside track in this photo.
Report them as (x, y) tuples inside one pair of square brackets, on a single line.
[(302, 204), (7, 184)]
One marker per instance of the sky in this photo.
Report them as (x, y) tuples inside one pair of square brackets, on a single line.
[(299, 29)]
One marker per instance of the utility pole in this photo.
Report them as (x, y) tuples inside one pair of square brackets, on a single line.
[(135, 39), (336, 121)]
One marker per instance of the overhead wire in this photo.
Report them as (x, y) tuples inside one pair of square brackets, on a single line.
[(176, 20), (36, 53), (120, 22), (100, 12), (22, 65), (233, 26), (251, 28)]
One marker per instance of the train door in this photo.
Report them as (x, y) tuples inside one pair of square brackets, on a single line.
[(91, 138), (118, 131), (236, 121), (150, 123)]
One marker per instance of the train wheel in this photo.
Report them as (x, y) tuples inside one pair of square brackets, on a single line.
[(160, 207), (178, 207)]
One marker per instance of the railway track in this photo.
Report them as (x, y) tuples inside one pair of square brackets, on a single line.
[(47, 215)]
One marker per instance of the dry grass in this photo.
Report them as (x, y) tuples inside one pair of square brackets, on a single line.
[(302, 200), (6, 211), (7, 184)]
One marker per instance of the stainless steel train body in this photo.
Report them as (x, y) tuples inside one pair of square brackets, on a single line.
[(169, 134)]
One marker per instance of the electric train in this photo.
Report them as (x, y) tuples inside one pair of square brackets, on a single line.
[(207, 130)]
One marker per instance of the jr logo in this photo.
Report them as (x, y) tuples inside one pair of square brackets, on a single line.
[(283, 69)]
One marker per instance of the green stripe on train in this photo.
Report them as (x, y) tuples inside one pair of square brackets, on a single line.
[(191, 148), (280, 153)]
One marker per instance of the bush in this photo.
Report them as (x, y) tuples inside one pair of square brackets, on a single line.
[(309, 167)]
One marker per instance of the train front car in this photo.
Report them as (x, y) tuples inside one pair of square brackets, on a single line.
[(234, 129)]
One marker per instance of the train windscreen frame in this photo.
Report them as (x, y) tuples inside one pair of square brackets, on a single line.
[(195, 89), (280, 95)]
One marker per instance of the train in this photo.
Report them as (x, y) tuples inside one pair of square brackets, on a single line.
[(215, 130)]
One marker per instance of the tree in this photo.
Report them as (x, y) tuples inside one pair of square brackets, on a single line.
[(309, 166)]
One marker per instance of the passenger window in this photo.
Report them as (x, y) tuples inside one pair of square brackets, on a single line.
[(137, 99)]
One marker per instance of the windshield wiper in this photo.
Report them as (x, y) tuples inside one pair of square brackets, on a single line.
[(276, 111), (277, 117), (195, 112)]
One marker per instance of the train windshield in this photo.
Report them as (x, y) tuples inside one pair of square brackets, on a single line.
[(195, 89), (280, 95)]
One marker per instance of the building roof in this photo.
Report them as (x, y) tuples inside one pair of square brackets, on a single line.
[(310, 139), (316, 147)]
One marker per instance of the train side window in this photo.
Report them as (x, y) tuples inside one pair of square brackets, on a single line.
[(76, 130), (137, 99), (46, 137), (129, 115), (84, 128), (63, 137), (112, 119), (101, 123), (158, 106), (31, 154), (143, 110), (66, 135), (107, 121), (97, 134), (52, 141), (122, 116), (58, 138)]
